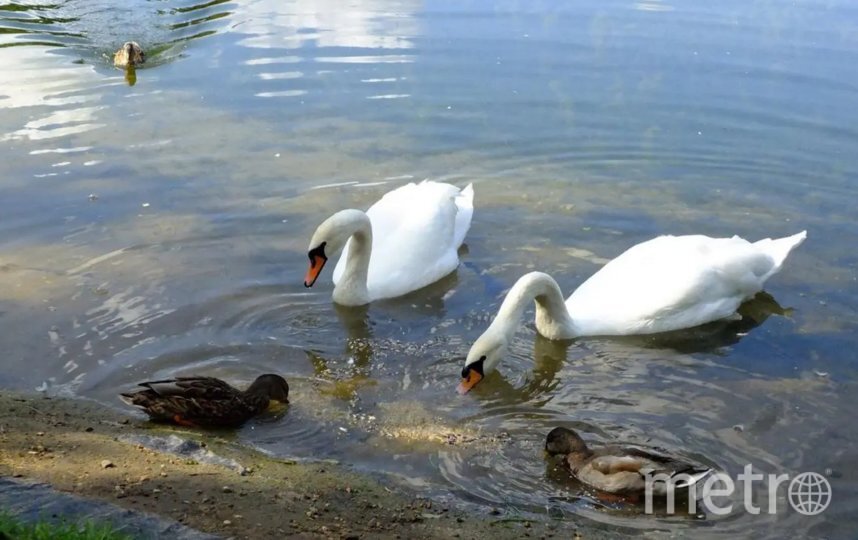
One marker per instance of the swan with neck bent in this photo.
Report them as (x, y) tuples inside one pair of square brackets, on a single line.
[(405, 241), (667, 283)]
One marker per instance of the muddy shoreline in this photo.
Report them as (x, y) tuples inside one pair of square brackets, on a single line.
[(86, 449)]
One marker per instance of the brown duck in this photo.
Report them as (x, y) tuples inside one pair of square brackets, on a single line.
[(129, 55), (207, 401), (622, 470)]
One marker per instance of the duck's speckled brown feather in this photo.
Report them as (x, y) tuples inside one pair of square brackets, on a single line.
[(201, 401), (622, 470)]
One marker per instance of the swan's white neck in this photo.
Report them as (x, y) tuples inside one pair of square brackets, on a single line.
[(351, 289), (552, 318)]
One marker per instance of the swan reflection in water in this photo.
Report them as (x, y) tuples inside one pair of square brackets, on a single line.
[(408, 312), (358, 350)]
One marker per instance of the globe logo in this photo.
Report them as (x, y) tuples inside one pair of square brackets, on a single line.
[(809, 493)]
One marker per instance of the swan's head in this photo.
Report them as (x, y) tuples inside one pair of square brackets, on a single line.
[(130, 55), (317, 262), (484, 356), (329, 239)]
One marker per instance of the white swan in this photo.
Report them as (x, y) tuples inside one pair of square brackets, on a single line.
[(663, 284), (405, 241)]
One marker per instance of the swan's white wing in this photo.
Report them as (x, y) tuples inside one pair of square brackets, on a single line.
[(413, 240), (465, 211), (670, 282)]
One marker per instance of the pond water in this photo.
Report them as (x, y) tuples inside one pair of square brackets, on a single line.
[(161, 228)]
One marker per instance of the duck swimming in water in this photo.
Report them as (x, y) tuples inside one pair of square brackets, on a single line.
[(622, 470), (207, 401), (129, 55)]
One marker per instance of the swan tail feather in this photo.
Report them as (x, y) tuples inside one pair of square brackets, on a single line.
[(467, 193), (779, 249)]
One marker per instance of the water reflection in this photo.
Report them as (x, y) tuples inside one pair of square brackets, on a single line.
[(654, 5), (36, 25), (93, 31), (585, 128), (33, 78), (347, 377), (323, 32), (366, 24)]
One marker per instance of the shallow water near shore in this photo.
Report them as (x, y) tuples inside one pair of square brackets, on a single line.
[(161, 228)]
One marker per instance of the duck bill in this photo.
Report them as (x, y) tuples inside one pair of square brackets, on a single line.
[(469, 382), (275, 405), (317, 262)]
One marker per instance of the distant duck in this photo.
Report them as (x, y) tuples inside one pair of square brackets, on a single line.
[(207, 401), (405, 241), (622, 470), (129, 55), (667, 283)]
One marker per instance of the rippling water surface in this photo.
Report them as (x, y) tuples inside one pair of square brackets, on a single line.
[(157, 225)]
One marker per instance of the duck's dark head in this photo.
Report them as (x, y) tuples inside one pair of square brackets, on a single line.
[(273, 386), (134, 54), (564, 441)]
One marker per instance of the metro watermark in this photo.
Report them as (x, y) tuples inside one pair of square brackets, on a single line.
[(808, 493)]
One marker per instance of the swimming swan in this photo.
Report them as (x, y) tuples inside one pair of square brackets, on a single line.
[(667, 283), (405, 241)]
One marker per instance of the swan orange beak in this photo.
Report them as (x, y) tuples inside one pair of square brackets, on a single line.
[(469, 382), (317, 262)]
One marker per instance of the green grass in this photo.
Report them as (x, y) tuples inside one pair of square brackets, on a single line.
[(13, 529)]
